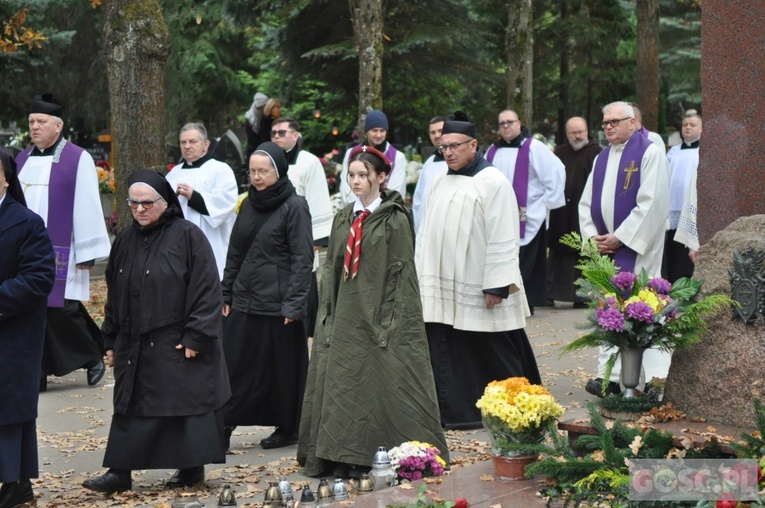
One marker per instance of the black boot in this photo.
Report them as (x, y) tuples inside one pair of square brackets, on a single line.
[(16, 493), (186, 477), (114, 480)]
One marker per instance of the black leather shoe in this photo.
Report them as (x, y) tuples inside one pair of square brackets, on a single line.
[(186, 477), (111, 481), (16, 493), (278, 439), (96, 372), (595, 387)]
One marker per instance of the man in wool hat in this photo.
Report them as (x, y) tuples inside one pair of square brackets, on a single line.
[(60, 184), (473, 299), (375, 132)]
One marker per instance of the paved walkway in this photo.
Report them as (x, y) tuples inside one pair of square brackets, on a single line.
[(74, 422)]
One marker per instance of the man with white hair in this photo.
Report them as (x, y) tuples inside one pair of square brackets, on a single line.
[(624, 209), (60, 184), (206, 189)]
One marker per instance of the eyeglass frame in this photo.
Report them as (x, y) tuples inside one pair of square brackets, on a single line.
[(281, 132), (261, 174), (453, 146), (615, 123), (508, 123), (146, 204)]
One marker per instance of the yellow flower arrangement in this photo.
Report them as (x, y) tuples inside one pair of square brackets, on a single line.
[(515, 411)]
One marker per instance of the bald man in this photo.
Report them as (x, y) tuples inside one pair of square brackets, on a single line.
[(577, 155)]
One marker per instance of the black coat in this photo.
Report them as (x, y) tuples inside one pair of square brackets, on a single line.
[(27, 270), (163, 290), (270, 275)]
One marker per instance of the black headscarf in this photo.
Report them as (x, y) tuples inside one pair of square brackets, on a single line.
[(9, 168), (273, 195), (159, 184)]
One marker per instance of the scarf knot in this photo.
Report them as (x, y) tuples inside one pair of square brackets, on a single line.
[(353, 248)]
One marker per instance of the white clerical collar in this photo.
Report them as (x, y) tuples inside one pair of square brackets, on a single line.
[(3, 198), (374, 205), (689, 143)]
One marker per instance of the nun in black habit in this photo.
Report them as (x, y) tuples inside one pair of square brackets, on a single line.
[(265, 291), (162, 327), (27, 270)]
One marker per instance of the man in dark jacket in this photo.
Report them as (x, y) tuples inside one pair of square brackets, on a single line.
[(577, 155), (27, 270)]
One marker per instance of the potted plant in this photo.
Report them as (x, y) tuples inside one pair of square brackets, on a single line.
[(106, 187), (415, 460), (515, 413), (633, 312)]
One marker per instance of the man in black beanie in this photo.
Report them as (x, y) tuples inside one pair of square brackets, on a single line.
[(473, 299), (375, 135), (60, 184)]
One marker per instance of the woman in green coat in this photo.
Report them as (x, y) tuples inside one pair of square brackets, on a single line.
[(370, 382)]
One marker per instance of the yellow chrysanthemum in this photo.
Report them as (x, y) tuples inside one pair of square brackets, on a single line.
[(519, 404), (647, 296)]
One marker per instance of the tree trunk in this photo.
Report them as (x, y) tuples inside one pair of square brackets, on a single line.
[(519, 44), (565, 111), (367, 19), (137, 44), (647, 71)]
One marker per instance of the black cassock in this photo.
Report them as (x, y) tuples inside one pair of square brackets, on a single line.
[(561, 259)]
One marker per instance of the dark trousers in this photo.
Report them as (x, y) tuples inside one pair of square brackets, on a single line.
[(676, 263)]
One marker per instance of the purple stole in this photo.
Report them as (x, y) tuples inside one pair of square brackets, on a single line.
[(520, 178), (390, 154), (643, 131), (63, 177), (625, 199)]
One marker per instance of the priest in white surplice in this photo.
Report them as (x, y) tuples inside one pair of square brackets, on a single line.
[(60, 184), (307, 175), (539, 179), (625, 207), (473, 300), (432, 169), (207, 190), (683, 162)]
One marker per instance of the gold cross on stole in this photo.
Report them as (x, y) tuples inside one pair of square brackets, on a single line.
[(630, 169)]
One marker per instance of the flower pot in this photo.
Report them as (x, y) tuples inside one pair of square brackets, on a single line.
[(512, 468), (107, 203), (632, 363)]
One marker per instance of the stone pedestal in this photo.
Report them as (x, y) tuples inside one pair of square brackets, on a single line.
[(719, 378)]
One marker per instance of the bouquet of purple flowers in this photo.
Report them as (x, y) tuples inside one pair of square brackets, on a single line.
[(629, 310), (414, 460)]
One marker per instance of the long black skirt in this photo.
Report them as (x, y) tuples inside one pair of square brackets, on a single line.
[(18, 452), (267, 365), (167, 442), (532, 261), (561, 276), (464, 362), (72, 339)]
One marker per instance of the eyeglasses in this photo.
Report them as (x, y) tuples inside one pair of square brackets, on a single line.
[(261, 174), (614, 123), (452, 146), (147, 205), (280, 133), (508, 123)]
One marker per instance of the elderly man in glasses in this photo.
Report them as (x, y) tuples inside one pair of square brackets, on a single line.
[(625, 209), (307, 175), (206, 189), (60, 184), (473, 298), (538, 179)]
